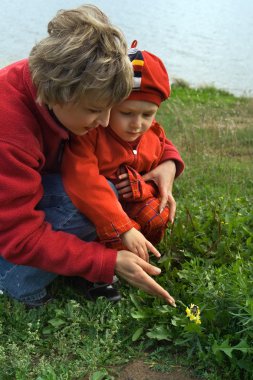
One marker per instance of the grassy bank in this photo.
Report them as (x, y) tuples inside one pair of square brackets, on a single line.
[(207, 260)]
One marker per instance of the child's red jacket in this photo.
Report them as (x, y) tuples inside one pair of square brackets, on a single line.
[(92, 159)]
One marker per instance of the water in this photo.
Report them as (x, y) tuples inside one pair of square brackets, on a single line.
[(205, 42)]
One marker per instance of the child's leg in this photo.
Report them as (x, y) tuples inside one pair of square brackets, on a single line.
[(146, 214)]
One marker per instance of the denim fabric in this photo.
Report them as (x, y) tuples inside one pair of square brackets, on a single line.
[(25, 283)]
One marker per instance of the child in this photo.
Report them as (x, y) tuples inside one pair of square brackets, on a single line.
[(132, 145)]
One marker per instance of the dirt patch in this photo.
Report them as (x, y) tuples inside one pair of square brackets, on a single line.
[(138, 370)]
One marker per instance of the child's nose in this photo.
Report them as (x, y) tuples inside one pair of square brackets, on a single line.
[(136, 122)]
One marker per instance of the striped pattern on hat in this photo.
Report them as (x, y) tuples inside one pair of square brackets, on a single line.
[(137, 60), (150, 81)]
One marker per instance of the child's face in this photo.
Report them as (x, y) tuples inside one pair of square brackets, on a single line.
[(81, 117), (131, 118)]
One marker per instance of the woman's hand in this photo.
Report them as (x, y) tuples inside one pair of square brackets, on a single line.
[(136, 242), (163, 176), (137, 272)]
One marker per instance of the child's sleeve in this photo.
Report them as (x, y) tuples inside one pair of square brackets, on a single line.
[(168, 149), (171, 153), (90, 191)]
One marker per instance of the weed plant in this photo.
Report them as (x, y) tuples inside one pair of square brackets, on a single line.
[(207, 260)]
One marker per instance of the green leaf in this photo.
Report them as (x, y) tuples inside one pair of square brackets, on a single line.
[(228, 349), (99, 375), (159, 333), (175, 321), (225, 347), (47, 330), (243, 346), (56, 322), (140, 314), (246, 364), (137, 334), (134, 299), (192, 327)]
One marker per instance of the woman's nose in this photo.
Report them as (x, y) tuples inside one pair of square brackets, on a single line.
[(104, 118)]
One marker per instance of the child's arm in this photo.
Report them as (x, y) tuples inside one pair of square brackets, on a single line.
[(170, 153), (89, 190)]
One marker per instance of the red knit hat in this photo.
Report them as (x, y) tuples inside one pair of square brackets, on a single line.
[(151, 81)]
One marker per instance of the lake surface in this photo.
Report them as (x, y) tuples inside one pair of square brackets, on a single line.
[(205, 42)]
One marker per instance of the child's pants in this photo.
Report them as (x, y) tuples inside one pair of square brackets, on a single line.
[(26, 283), (153, 224), (143, 209), (146, 218)]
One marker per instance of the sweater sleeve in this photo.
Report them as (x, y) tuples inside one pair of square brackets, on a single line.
[(90, 191), (27, 239), (171, 153)]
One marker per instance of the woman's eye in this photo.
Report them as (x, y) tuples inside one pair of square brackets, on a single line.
[(93, 110)]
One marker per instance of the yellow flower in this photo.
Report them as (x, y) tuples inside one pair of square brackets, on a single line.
[(193, 313)]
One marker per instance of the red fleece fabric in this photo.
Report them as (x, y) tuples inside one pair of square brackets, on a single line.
[(30, 142)]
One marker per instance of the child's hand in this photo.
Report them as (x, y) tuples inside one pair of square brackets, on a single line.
[(163, 176), (123, 187), (138, 244)]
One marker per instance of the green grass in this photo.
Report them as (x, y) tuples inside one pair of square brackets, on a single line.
[(207, 260)]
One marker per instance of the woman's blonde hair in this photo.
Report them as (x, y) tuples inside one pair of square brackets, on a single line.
[(83, 53)]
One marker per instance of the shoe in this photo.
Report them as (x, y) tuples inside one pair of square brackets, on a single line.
[(103, 290), (38, 303), (92, 291)]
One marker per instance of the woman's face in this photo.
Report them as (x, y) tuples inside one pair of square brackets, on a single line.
[(81, 117)]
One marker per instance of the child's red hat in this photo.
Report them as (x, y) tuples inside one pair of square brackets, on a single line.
[(151, 80)]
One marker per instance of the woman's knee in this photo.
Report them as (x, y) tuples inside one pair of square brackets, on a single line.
[(60, 212)]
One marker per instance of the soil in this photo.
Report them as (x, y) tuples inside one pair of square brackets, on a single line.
[(139, 370)]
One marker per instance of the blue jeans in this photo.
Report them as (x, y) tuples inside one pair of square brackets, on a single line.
[(26, 283)]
